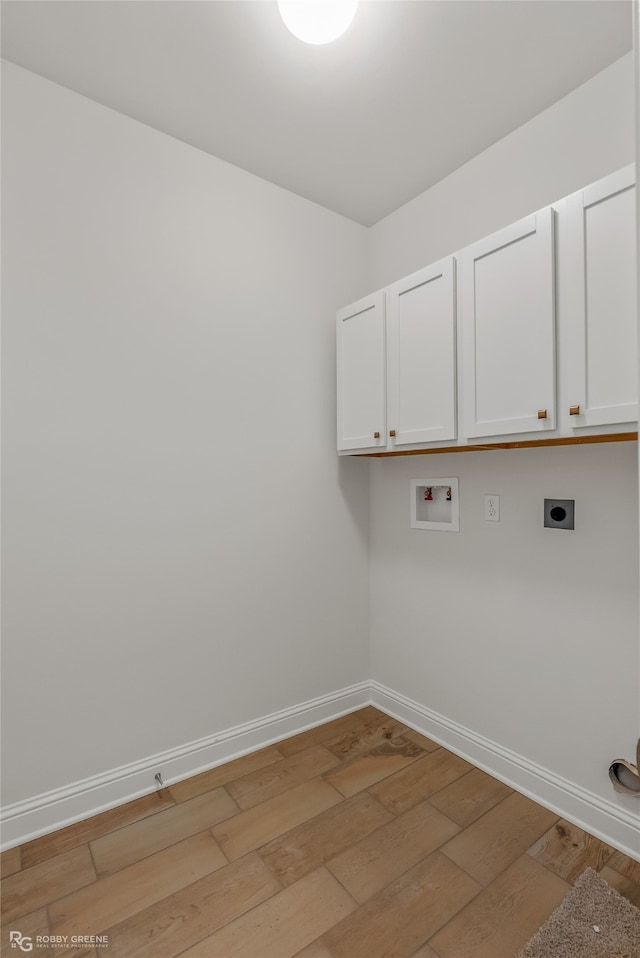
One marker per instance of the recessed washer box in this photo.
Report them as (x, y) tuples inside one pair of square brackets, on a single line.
[(559, 513), (435, 504)]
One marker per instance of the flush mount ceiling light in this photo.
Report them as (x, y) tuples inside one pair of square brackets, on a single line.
[(317, 21)]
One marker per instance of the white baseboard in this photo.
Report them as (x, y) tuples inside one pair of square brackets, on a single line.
[(615, 822), (23, 821)]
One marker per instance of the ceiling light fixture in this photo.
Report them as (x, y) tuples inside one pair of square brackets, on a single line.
[(317, 21)]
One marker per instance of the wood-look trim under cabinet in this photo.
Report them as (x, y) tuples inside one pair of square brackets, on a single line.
[(526, 337)]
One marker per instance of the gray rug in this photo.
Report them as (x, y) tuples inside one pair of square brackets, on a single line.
[(593, 921)]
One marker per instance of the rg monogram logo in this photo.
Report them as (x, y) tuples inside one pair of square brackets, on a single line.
[(20, 941)]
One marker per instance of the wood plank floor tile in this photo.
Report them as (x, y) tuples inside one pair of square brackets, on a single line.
[(259, 786), (470, 796), (30, 889), (493, 842), (304, 848), (222, 774), (330, 731), (370, 721), (361, 772), (366, 737), (626, 886), (262, 823), (400, 918), (37, 923), (284, 924), (186, 917), (625, 866), (370, 713), (500, 921), (144, 838), (377, 860), (111, 900), (427, 744), (427, 856), (64, 839), (428, 775), (425, 952), (10, 862), (567, 850), (315, 950)]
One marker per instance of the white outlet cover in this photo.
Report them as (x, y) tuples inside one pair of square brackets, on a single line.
[(492, 508)]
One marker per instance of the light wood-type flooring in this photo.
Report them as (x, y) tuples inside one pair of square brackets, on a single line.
[(357, 839)]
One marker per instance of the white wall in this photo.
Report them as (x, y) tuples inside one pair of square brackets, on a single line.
[(580, 138), (183, 550), (526, 636)]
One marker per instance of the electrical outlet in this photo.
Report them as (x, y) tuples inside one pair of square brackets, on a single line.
[(492, 508), (559, 513)]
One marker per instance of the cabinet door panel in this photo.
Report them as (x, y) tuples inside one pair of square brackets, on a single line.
[(602, 295), (508, 330), (361, 374), (421, 356)]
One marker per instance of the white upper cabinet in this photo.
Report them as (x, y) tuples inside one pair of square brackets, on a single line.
[(463, 352), (600, 299), (361, 374), (421, 380), (507, 323)]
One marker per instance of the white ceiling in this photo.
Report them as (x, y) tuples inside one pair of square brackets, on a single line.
[(411, 92)]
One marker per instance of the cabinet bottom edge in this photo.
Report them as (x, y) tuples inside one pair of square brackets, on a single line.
[(520, 444)]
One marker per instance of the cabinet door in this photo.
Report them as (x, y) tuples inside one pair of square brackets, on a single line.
[(507, 314), (361, 374), (421, 356), (602, 302)]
